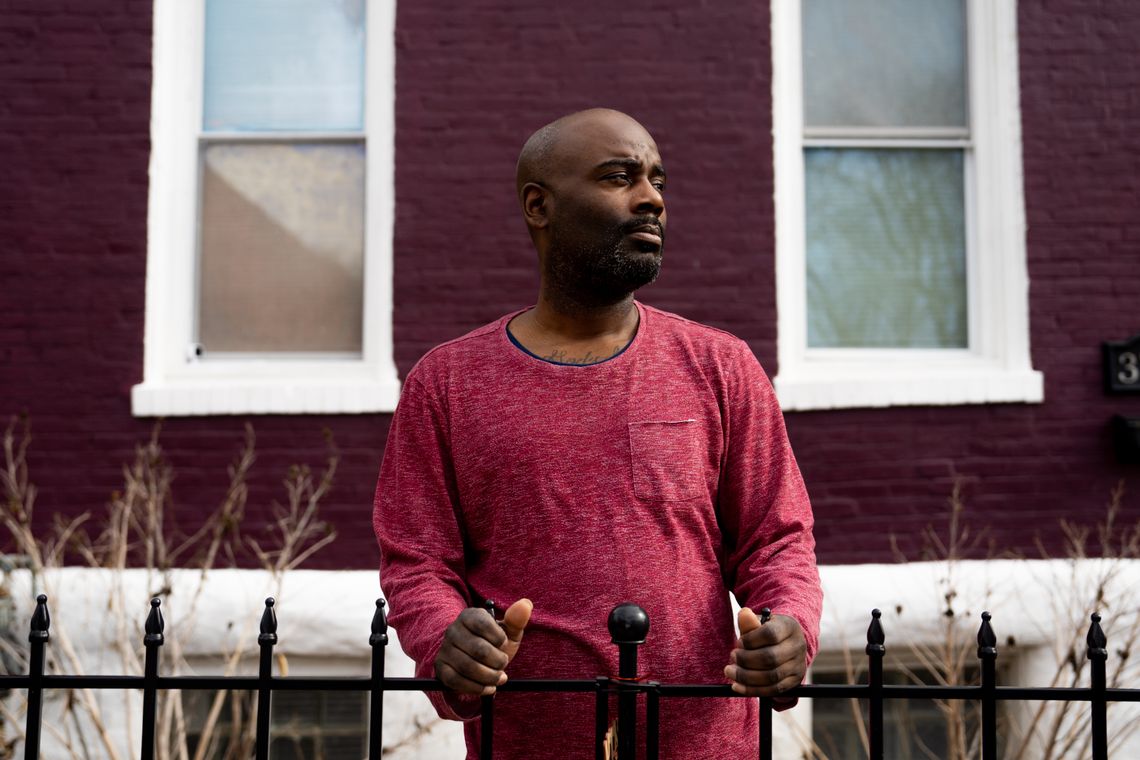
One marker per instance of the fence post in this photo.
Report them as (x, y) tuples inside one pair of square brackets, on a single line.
[(987, 653), (629, 625), (601, 715), (653, 721), (266, 639), (153, 639), (38, 637), (764, 724), (1098, 654), (765, 728), (379, 643), (487, 708), (876, 650)]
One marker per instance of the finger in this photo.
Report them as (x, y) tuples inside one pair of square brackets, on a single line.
[(469, 669), (766, 676), (767, 658), (767, 691), (747, 620), (481, 624), (776, 630), (480, 650), (763, 683), (454, 680), (515, 619)]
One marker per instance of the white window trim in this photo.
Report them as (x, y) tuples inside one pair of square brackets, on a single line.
[(175, 382), (996, 367)]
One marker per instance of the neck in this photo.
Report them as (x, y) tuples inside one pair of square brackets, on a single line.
[(560, 316)]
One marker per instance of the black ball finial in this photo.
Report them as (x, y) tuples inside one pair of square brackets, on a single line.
[(628, 624)]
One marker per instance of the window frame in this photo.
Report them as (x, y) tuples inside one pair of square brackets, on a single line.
[(176, 382), (996, 367)]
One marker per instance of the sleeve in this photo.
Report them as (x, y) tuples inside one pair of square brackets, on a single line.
[(763, 505), (416, 520)]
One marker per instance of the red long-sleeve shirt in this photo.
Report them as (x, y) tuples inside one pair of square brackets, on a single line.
[(662, 476)]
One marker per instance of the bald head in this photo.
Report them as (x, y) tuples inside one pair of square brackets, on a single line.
[(544, 154)]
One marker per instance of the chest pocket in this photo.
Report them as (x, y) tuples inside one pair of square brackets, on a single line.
[(666, 460)]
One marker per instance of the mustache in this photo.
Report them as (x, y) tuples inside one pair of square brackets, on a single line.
[(644, 221)]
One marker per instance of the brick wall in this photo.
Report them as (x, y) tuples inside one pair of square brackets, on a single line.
[(74, 111)]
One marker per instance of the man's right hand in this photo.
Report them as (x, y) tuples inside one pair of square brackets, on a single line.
[(476, 649)]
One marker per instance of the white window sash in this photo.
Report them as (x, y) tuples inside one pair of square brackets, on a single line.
[(175, 381), (996, 367)]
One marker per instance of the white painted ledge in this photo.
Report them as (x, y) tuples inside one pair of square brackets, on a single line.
[(846, 387), (217, 397)]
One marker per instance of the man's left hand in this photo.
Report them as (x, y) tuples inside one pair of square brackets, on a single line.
[(769, 658)]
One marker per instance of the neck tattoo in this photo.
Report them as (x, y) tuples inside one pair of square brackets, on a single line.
[(562, 357)]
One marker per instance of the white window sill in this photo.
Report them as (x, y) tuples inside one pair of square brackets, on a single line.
[(847, 386), (262, 396)]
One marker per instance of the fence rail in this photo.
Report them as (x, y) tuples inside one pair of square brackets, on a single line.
[(628, 625)]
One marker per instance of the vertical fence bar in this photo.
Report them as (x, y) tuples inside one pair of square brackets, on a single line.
[(601, 715), (765, 728), (487, 707), (629, 625), (486, 727), (1098, 655), (987, 653), (38, 637), (153, 639), (653, 721), (876, 650), (379, 643), (266, 640)]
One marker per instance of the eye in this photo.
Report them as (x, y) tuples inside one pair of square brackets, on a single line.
[(620, 177), (659, 184)]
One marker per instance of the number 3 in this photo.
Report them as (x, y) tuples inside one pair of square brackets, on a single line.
[(1129, 368)]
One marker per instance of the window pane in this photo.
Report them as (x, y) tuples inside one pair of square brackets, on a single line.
[(874, 63), (886, 249), (282, 247), (284, 64), (912, 728)]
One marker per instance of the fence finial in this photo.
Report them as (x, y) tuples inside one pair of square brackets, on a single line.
[(155, 625), (875, 636), (987, 639), (628, 624), (268, 623), (379, 626), (41, 620), (1096, 640)]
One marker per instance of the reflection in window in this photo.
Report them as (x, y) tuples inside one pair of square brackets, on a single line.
[(281, 263), (886, 248)]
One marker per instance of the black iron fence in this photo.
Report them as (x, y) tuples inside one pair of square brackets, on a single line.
[(628, 625)]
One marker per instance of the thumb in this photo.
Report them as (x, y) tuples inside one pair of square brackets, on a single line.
[(515, 619), (747, 620)]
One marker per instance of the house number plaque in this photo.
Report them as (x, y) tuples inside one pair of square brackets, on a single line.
[(1122, 366)]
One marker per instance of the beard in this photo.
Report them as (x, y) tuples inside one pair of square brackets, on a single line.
[(607, 268)]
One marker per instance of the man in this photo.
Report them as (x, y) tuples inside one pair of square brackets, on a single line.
[(590, 451)]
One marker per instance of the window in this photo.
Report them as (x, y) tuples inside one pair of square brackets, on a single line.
[(269, 285), (303, 725), (912, 728), (900, 233)]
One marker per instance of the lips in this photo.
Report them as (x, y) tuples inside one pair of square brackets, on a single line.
[(650, 233)]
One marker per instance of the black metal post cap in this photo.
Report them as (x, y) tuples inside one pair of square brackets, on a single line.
[(628, 624)]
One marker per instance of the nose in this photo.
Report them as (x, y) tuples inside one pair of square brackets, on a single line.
[(648, 199)]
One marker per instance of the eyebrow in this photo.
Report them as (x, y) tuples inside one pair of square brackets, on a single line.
[(657, 170)]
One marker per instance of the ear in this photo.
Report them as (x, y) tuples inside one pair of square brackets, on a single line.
[(535, 203)]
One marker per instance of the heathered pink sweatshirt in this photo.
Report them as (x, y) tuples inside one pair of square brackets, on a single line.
[(662, 476)]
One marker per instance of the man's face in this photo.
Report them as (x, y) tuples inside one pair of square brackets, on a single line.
[(607, 213)]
